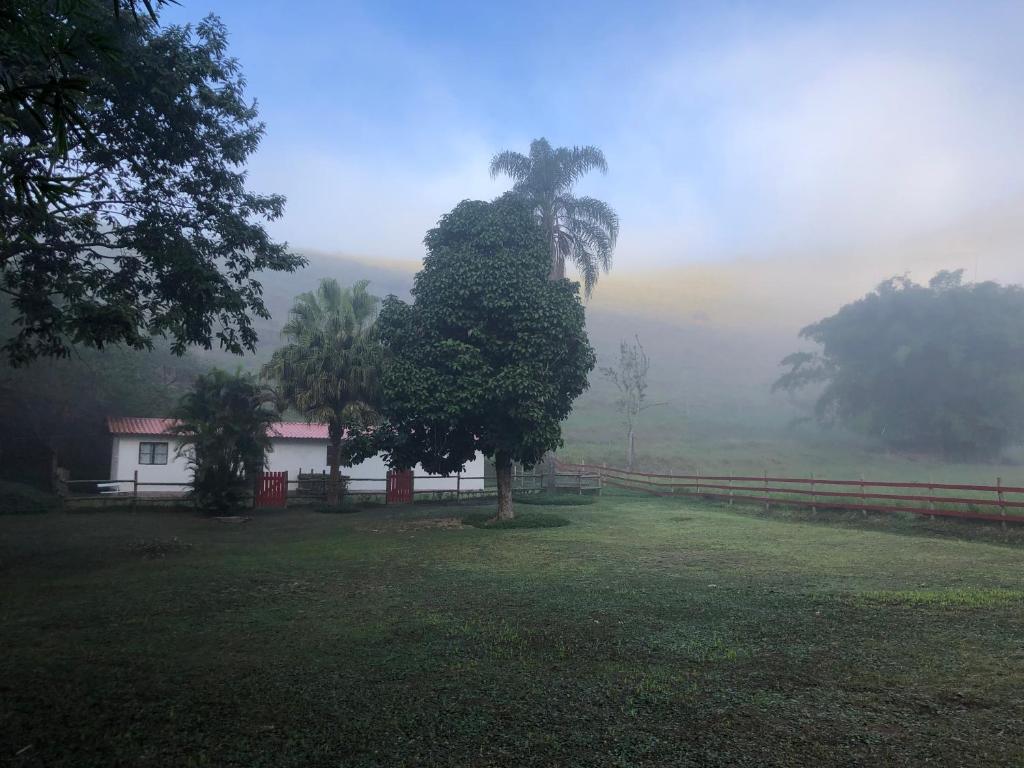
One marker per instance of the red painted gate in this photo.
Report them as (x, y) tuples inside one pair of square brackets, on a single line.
[(399, 487), (272, 489)]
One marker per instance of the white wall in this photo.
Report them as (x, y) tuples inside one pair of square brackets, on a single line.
[(125, 461), (286, 456)]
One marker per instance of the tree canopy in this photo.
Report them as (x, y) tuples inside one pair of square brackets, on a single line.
[(490, 354), (582, 230), (125, 213), (934, 368)]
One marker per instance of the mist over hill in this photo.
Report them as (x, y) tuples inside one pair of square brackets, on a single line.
[(715, 333)]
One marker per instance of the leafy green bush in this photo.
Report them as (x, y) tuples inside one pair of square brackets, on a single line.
[(521, 520), (16, 498)]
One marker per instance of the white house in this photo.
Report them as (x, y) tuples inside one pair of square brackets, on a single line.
[(144, 445)]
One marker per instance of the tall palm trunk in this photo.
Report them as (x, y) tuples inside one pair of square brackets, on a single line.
[(557, 260), (334, 434), (503, 472)]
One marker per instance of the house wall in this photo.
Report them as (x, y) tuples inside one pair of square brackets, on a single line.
[(289, 456), (125, 461)]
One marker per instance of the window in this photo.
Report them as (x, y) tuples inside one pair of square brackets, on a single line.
[(152, 453)]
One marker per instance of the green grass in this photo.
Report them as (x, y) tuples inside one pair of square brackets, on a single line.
[(524, 519), (556, 500), (670, 441), (648, 632)]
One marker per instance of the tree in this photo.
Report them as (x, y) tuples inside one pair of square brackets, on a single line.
[(328, 371), (630, 379), (490, 355), (56, 410), (125, 214), (936, 368), (52, 54), (225, 427), (582, 230)]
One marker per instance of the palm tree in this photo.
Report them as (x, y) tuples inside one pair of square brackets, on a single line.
[(582, 230), (224, 424), (328, 370)]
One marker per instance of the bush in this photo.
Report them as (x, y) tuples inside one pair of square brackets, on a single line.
[(522, 520), (17, 499)]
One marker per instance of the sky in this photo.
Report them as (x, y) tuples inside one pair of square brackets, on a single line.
[(734, 132)]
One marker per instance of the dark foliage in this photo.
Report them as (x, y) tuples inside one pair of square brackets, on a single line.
[(224, 425), (124, 213), (56, 410), (491, 354), (936, 368)]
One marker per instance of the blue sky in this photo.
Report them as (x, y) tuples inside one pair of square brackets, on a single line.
[(731, 129)]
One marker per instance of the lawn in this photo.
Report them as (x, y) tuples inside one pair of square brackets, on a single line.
[(645, 632)]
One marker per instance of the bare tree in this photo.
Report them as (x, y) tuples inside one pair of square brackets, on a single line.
[(630, 378)]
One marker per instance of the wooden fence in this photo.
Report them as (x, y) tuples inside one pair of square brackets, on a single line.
[(310, 488), (997, 503)]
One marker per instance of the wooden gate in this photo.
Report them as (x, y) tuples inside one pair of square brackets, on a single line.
[(399, 487), (272, 489)]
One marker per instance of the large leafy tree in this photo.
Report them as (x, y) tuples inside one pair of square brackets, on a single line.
[(937, 368), (124, 212), (225, 426), (52, 53), (490, 355), (328, 370), (582, 230)]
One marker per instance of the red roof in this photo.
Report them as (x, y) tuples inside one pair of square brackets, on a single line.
[(287, 430), (299, 430)]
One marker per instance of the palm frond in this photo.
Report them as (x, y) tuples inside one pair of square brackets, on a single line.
[(598, 213), (583, 160), (512, 164)]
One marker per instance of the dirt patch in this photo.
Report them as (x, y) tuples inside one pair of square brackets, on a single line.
[(401, 526), (159, 547)]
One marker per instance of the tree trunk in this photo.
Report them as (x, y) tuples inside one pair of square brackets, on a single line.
[(557, 268), (334, 457), (630, 449), (503, 472)]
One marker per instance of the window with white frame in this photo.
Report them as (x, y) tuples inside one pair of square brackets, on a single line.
[(152, 453)]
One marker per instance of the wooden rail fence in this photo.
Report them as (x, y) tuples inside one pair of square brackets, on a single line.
[(957, 500)]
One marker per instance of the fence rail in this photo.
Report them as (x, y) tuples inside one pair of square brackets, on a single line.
[(313, 487), (825, 493)]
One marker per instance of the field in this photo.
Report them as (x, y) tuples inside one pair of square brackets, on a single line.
[(644, 632), (671, 440)]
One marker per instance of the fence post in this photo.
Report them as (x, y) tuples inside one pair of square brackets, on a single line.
[(862, 510), (814, 497), (135, 490), (931, 493), (767, 495), (458, 487), (999, 495), (730, 489)]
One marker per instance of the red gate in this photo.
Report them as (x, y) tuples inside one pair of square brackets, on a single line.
[(272, 489), (399, 487)]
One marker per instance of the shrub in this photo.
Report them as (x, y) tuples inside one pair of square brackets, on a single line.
[(17, 498)]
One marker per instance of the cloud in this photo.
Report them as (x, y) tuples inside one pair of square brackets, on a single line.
[(819, 134), (759, 135), (374, 207)]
